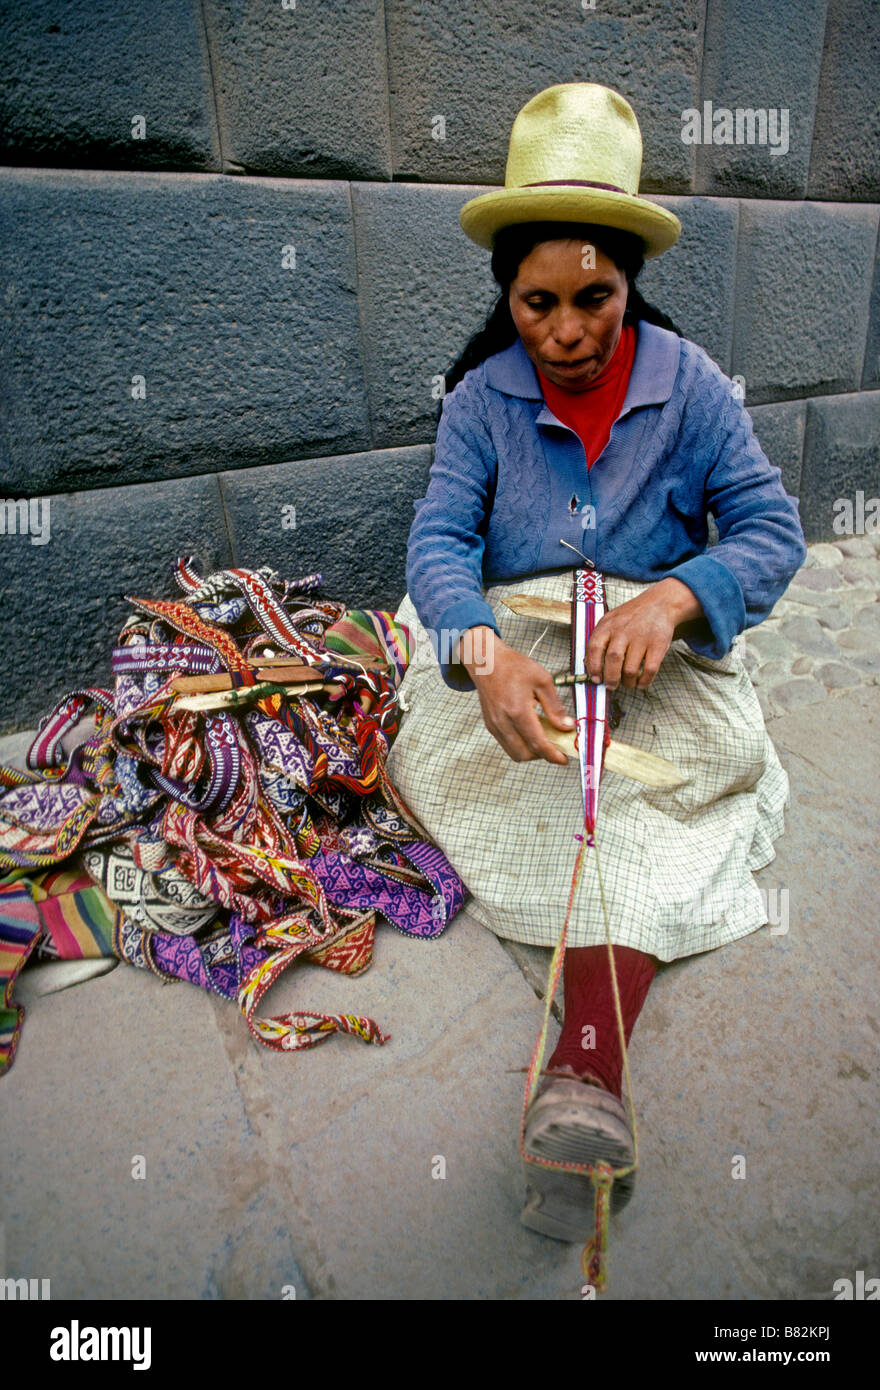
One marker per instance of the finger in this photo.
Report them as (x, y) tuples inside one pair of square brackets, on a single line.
[(506, 732), (513, 746), (502, 730), (615, 656), (651, 665), (563, 739), (530, 731), (551, 704), (594, 657), (635, 656)]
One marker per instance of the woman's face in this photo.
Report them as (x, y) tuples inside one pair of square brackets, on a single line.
[(568, 302)]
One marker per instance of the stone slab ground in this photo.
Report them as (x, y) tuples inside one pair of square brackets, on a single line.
[(314, 1172)]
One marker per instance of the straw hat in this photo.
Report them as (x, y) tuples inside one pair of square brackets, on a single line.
[(575, 156)]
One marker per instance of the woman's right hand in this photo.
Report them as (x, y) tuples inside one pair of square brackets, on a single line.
[(509, 685)]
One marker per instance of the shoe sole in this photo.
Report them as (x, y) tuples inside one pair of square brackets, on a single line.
[(571, 1123)]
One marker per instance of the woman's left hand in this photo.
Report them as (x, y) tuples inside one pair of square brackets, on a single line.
[(629, 643)]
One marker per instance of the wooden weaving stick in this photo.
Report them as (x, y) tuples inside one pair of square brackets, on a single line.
[(641, 766), (244, 695), (284, 672), (278, 669), (552, 610), (548, 610)]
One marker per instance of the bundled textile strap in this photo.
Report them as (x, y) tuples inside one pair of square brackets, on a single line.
[(228, 844)]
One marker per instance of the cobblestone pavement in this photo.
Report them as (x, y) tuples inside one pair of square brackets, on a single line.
[(823, 636)]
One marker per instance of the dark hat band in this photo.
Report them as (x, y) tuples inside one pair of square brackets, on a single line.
[(577, 183)]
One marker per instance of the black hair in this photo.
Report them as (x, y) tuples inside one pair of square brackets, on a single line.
[(512, 245)]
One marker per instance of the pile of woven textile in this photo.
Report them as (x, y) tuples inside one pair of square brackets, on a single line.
[(224, 810)]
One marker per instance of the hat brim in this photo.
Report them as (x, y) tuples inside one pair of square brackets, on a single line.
[(483, 217)]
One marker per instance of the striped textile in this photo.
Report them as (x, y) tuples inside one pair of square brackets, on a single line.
[(372, 636), (20, 929), (64, 914), (77, 915), (676, 865)]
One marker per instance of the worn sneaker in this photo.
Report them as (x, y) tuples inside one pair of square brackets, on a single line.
[(574, 1122)]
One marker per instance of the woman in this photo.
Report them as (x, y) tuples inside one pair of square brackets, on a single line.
[(579, 420)]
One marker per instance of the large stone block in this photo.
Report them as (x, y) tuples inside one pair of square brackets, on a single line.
[(803, 285), (302, 90), (78, 78), (475, 66), (694, 282), (64, 600), (780, 430), (871, 370), (246, 349), (348, 518), (846, 135), (424, 289), (762, 61), (841, 458)]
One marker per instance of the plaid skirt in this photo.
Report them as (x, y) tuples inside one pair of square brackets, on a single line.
[(676, 865)]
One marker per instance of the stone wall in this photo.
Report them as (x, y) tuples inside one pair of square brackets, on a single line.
[(232, 269)]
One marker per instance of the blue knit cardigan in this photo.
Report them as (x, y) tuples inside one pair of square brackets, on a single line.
[(509, 482)]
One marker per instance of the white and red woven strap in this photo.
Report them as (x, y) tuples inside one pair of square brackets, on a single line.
[(590, 700)]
